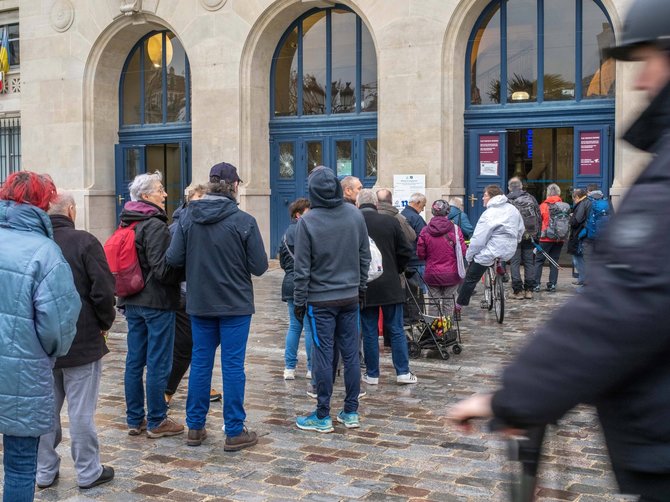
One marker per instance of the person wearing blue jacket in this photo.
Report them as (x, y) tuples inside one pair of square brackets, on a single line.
[(39, 308), (460, 218), (221, 248)]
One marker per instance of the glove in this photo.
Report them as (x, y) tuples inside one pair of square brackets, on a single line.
[(299, 311), (361, 298)]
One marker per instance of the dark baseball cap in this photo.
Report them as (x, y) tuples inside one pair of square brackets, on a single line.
[(224, 172)]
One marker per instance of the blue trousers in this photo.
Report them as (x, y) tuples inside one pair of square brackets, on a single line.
[(150, 344), (335, 328), (232, 333), (393, 325), (295, 328), (20, 462)]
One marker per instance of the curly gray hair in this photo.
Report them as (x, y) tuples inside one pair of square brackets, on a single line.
[(553, 190), (144, 184)]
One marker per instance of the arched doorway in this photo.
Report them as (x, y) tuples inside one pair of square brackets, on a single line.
[(540, 99), (155, 117), (331, 117)]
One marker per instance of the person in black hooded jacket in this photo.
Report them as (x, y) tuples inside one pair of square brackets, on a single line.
[(221, 248), (610, 346)]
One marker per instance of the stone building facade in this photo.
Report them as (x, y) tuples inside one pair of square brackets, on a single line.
[(421, 113)]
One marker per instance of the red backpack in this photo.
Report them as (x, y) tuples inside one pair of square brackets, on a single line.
[(124, 262)]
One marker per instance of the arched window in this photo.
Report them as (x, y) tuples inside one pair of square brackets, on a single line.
[(155, 82), (524, 51), (331, 52)]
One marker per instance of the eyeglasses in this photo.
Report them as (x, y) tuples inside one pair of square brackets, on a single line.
[(161, 190)]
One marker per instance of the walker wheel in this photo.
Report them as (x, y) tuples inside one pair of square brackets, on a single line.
[(457, 349)]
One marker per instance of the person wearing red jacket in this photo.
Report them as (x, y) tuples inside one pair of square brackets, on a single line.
[(550, 244)]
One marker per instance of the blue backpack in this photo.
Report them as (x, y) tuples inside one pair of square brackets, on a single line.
[(598, 216)]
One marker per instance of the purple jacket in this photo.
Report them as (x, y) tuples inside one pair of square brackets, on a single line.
[(436, 246)]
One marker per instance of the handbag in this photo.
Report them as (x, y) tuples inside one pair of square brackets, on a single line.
[(460, 261)]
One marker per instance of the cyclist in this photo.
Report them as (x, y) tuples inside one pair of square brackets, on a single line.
[(497, 234), (610, 346)]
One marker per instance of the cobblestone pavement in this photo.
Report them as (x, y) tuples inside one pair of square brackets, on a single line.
[(403, 451)]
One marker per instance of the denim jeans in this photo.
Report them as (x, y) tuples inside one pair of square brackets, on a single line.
[(295, 327), (232, 333), (335, 328), (150, 344), (393, 324), (553, 249), (20, 462), (578, 264), (523, 256)]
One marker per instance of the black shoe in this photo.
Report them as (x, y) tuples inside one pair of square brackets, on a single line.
[(47, 485), (551, 287), (106, 476)]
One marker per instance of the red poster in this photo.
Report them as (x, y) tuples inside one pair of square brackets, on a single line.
[(589, 153), (489, 155)]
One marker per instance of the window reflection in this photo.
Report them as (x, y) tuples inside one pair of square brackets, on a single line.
[(314, 155), (368, 71), (176, 82), (371, 158), (343, 160), (485, 70), (522, 50), (286, 77), (131, 91), (559, 50), (314, 64), (343, 92), (153, 81), (599, 74), (286, 161)]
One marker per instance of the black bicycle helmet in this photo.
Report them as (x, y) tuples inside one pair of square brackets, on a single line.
[(647, 23)]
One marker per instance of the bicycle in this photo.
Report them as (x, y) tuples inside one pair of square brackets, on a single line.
[(494, 290)]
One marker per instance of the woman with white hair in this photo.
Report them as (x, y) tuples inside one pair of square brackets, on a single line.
[(151, 312), (555, 229)]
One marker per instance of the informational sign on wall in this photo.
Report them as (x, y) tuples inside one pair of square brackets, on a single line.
[(589, 153), (489, 155), (404, 185)]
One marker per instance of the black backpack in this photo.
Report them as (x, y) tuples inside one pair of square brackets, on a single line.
[(559, 221), (530, 212)]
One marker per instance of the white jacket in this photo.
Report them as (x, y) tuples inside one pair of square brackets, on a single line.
[(497, 234)]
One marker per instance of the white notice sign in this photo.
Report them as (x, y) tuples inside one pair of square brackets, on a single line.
[(404, 185)]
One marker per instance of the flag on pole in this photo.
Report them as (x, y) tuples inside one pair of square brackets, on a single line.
[(4, 56)]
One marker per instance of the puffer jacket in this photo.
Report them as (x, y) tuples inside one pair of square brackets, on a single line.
[(152, 238), (497, 234), (39, 308), (436, 246)]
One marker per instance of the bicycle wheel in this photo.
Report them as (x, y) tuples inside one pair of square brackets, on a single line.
[(489, 281), (499, 298)]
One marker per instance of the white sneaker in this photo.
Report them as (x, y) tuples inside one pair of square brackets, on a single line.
[(370, 380), (289, 374), (406, 378), (308, 375)]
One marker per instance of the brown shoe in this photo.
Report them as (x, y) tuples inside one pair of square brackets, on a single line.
[(244, 440), (518, 295), (528, 295), (137, 430), (214, 395), (196, 436), (168, 427)]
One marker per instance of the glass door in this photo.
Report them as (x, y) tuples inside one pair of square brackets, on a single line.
[(130, 161)]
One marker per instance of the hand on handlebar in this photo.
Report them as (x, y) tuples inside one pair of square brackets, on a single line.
[(477, 406)]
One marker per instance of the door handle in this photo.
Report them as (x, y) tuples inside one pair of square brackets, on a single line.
[(473, 199), (120, 199)]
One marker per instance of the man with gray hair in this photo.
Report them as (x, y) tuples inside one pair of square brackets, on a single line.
[(532, 220), (385, 292), (385, 206), (77, 374), (351, 186), (459, 217)]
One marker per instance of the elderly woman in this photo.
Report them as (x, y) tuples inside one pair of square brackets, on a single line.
[(151, 312), (555, 227), (40, 307), (440, 245)]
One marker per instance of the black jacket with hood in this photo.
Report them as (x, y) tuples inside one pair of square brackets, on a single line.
[(95, 285), (610, 347), (152, 238), (221, 248)]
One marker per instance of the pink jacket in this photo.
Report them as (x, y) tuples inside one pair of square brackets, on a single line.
[(436, 247)]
